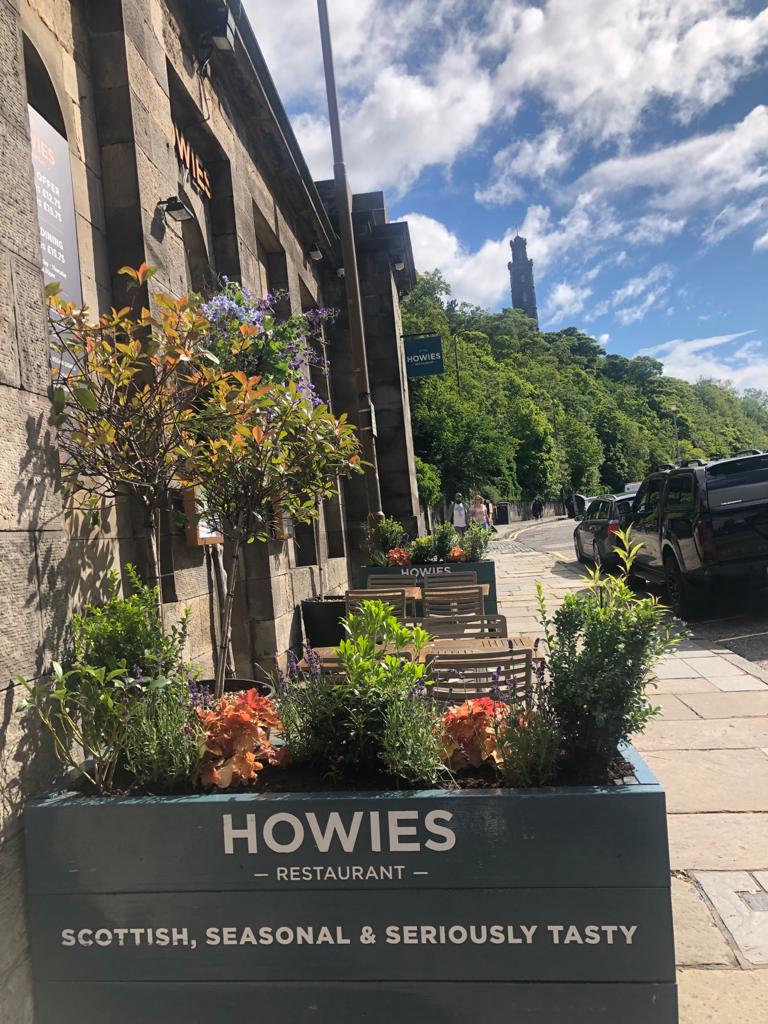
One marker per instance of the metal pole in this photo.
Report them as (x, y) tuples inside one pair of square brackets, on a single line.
[(351, 279), (673, 410), (456, 356)]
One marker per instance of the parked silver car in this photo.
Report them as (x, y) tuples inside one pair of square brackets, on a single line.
[(594, 536)]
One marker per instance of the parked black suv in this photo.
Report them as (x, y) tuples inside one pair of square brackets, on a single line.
[(702, 523)]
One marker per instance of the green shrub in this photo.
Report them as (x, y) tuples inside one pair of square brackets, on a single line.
[(602, 645), (475, 542), (127, 631), (445, 538), (529, 746), (422, 550), (372, 721), (381, 537)]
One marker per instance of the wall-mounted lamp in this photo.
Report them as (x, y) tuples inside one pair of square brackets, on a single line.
[(175, 208), (340, 272), (314, 252), (399, 263), (223, 30)]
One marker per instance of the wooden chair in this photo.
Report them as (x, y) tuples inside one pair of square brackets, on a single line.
[(466, 600), (462, 578), (466, 627), (394, 598), (466, 677), (381, 582), (378, 581)]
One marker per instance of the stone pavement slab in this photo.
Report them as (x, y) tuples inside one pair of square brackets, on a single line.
[(728, 705), (718, 842), (672, 707), (742, 904), (685, 685), (698, 940), (711, 780), (676, 668), (723, 996), (731, 684), (703, 734)]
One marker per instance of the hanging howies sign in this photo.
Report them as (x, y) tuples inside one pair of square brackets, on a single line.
[(192, 163)]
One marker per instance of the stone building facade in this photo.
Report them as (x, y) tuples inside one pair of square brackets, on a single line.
[(107, 108)]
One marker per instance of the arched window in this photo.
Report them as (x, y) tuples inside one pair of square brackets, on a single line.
[(53, 179)]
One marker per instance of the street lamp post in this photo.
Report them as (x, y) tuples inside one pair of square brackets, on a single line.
[(673, 410), (351, 279)]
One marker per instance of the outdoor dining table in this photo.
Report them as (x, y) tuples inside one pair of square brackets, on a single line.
[(449, 646)]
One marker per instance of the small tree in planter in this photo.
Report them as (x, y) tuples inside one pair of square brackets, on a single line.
[(602, 645), (259, 450), (124, 393)]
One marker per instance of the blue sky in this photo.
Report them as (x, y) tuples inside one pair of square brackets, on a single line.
[(626, 139)]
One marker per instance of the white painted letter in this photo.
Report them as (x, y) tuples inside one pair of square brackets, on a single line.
[(335, 826), (269, 833), (431, 824), (248, 833)]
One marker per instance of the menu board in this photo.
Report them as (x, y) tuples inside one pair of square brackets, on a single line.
[(55, 207)]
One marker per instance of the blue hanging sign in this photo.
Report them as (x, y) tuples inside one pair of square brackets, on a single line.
[(423, 355)]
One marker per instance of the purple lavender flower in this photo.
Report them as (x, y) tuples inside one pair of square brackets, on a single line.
[(314, 667)]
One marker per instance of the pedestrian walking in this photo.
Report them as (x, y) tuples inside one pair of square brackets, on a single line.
[(537, 508), (479, 512), (458, 513)]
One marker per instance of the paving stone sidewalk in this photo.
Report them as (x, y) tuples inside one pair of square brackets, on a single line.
[(709, 748)]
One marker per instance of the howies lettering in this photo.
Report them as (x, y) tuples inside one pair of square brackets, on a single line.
[(373, 831)]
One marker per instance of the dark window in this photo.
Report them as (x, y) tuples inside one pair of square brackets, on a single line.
[(738, 482), (646, 510), (592, 511), (603, 511), (681, 493)]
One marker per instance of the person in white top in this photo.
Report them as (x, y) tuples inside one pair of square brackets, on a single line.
[(458, 514)]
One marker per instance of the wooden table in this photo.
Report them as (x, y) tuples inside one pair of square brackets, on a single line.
[(448, 646)]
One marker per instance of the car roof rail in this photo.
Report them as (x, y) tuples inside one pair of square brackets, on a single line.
[(695, 462), (664, 467), (747, 451)]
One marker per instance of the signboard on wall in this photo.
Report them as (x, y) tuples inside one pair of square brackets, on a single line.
[(55, 207), (423, 355), (192, 164)]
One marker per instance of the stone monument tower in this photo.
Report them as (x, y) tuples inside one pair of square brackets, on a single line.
[(521, 279)]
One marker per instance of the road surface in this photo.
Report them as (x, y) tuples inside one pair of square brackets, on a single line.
[(738, 621)]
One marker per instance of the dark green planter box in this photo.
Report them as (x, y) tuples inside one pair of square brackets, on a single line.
[(446, 882), (322, 621), (486, 573)]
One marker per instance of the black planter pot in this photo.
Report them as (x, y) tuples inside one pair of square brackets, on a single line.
[(234, 684), (322, 621)]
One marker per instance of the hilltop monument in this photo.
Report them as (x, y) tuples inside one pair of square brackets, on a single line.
[(521, 279)]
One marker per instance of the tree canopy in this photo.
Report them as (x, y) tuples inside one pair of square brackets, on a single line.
[(520, 411)]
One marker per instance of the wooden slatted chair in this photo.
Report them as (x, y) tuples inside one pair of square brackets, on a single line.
[(394, 598), (380, 582), (466, 627), (464, 677), (466, 600), (461, 578)]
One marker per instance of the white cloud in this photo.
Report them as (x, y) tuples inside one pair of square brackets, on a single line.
[(654, 228), (647, 290), (566, 300), (527, 158), (699, 358), (603, 339), (601, 64), (479, 277), (761, 243), (733, 218), (698, 171)]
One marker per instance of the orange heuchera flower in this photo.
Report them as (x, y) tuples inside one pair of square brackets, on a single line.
[(469, 732), (457, 555), (398, 556), (237, 743)]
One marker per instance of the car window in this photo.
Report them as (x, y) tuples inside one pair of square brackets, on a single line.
[(603, 511), (737, 482), (646, 511), (622, 509), (592, 510), (681, 493)]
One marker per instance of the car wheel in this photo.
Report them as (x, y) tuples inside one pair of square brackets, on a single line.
[(679, 592), (596, 556)]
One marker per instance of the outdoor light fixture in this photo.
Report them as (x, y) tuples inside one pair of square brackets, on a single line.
[(399, 263), (175, 208), (223, 30), (340, 272), (314, 252)]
